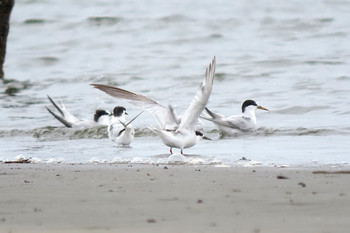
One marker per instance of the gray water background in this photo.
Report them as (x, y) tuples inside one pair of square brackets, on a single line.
[(292, 57)]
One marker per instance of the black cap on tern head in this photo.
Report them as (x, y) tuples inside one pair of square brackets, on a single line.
[(198, 133), (99, 113), (248, 103), (118, 111)]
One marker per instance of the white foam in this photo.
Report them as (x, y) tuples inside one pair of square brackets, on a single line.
[(35, 160), (222, 165), (176, 159), (215, 161), (119, 160), (94, 160), (137, 160), (196, 161), (60, 160), (254, 163), (20, 158), (162, 161), (53, 160)]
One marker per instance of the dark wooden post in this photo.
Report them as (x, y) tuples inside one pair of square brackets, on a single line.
[(5, 11)]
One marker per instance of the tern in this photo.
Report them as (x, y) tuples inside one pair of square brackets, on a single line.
[(175, 132), (119, 130), (101, 117), (233, 124)]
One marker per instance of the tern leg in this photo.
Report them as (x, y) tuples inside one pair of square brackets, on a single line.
[(182, 152), (171, 150)]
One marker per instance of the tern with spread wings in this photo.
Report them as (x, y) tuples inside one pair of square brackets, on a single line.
[(101, 117), (175, 132)]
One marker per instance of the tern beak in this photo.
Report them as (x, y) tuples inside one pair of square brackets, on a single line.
[(206, 138), (126, 113), (262, 108)]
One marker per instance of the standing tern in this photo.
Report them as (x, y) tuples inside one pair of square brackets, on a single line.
[(175, 132), (119, 130), (233, 124), (101, 117)]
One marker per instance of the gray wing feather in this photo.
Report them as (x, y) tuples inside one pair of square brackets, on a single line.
[(191, 115), (213, 114), (56, 106), (237, 123), (60, 119), (161, 113)]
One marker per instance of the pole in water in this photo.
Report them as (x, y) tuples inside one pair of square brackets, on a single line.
[(5, 11)]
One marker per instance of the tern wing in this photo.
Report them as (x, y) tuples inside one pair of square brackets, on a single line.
[(239, 122), (191, 115), (66, 117), (129, 122), (213, 114), (55, 105), (234, 122), (60, 119), (162, 114)]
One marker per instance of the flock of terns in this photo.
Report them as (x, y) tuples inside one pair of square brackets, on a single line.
[(175, 131)]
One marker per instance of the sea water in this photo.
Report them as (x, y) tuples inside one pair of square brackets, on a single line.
[(292, 57)]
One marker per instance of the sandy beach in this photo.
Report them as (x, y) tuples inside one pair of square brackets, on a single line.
[(169, 198)]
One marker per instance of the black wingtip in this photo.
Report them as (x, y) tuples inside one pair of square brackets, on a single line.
[(95, 85), (56, 106), (60, 119), (133, 119), (120, 132), (210, 112)]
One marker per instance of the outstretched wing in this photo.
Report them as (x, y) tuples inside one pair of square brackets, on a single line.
[(162, 114), (213, 114), (66, 117), (55, 105), (191, 115), (59, 118), (233, 122)]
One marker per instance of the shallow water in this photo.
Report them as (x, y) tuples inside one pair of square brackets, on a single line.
[(292, 57)]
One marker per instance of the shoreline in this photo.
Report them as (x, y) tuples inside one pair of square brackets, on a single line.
[(173, 198)]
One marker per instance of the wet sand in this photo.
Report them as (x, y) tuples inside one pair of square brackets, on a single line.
[(168, 198)]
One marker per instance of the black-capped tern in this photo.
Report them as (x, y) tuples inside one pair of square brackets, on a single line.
[(175, 132), (230, 125)]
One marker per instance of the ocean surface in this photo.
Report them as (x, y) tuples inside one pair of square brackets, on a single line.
[(292, 57)]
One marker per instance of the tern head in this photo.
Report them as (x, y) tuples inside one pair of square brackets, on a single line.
[(200, 135), (99, 113), (119, 111), (251, 105)]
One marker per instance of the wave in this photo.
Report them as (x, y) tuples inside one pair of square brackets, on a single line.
[(104, 20), (35, 21), (299, 109), (49, 133), (175, 18), (289, 132)]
